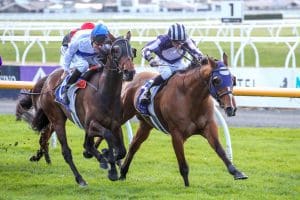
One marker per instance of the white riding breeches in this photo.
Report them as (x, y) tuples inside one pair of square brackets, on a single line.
[(82, 63), (166, 69)]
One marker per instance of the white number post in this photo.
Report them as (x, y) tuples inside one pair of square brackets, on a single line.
[(232, 11)]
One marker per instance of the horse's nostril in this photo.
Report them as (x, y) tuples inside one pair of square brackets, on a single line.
[(230, 111)]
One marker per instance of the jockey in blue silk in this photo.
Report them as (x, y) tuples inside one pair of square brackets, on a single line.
[(85, 29), (169, 50), (84, 52)]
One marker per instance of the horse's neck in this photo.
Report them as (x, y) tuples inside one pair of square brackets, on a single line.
[(111, 83), (195, 85)]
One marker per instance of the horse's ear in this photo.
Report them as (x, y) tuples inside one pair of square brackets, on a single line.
[(128, 35), (111, 37), (225, 59), (207, 67), (211, 62)]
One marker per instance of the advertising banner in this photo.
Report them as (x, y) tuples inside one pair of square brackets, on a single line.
[(34, 73), (22, 73), (267, 77), (9, 73)]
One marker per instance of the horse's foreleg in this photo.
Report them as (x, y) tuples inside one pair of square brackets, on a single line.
[(67, 154), (95, 129), (44, 145), (141, 135), (119, 143), (86, 153), (177, 142), (91, 150), (211, 134), (112, 172)]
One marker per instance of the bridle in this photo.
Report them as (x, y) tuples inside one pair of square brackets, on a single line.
[(220, 78), (120, 48)]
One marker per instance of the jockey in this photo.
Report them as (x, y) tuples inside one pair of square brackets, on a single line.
[(169, 50), (84, 29), (82, 53)]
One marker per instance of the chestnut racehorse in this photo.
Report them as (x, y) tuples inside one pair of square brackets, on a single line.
[(184, 107), (98, 108)]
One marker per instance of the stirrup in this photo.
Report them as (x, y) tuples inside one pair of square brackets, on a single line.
[(145, 99), (65, 100)]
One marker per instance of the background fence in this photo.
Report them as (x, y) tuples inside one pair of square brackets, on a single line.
[(239, 38), (42, 33)]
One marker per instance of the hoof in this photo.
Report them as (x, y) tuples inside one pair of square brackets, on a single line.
[(81, 182), (34, 159), (48, 160), (86, 154), (240, 176), (122, 178), (103, 164), (113, 175)]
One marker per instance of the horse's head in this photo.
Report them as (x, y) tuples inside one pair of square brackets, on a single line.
[(221, 84), (122, 57)]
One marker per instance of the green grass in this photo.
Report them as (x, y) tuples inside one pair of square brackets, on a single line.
[(270, 157)]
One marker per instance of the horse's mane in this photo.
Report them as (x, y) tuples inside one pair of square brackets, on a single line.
[(195, 64)]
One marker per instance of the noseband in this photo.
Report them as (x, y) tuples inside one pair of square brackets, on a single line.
[(220, 78)]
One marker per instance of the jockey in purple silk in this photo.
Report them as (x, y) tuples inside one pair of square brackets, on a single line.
[(84, 52), (170, 50)]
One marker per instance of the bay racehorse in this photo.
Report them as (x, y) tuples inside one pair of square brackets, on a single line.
[(98, 108), (184, 107)]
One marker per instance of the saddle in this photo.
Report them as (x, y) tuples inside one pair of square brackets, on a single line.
[(81, 83), (147, 110)]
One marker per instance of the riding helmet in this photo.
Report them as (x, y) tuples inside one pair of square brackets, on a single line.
[(87, 25), (177, 32), (99, 33)]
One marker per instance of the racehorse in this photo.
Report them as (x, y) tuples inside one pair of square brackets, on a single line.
[(98, 108), (184, 107)]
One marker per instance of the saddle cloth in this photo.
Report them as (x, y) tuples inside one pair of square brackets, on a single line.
[(147, 111), (72, 97)]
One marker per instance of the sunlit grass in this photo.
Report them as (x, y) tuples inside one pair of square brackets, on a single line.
[(270, 157)]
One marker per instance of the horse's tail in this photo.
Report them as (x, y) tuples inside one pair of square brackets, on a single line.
[(40, 120), (27, 100), (23, 108)]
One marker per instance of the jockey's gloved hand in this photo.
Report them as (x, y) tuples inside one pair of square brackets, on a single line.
[(153, 63)]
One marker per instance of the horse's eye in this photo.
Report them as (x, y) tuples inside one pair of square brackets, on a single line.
[(116, 51), (217, 81)]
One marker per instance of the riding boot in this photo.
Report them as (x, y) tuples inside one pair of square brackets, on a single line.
[(146, 96), (73, 78)]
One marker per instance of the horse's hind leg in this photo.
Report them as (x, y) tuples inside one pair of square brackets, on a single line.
[(44, 145), (211, 134), (141, 135)]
